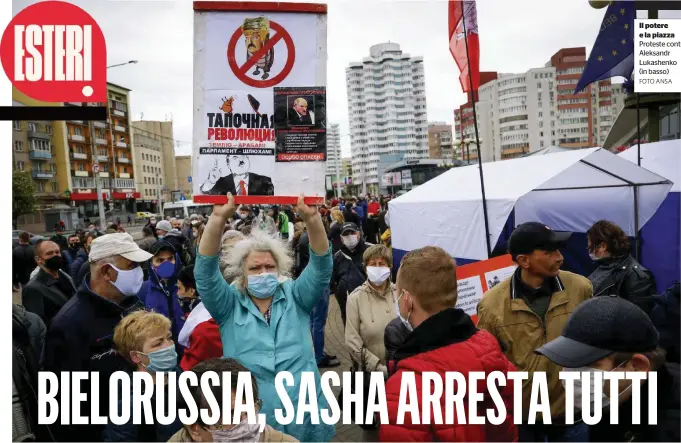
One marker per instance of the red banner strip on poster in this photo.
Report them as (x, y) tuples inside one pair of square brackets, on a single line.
[(257, 200), (260, 7)]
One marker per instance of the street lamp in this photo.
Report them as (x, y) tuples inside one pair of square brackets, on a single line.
[(98, 179)]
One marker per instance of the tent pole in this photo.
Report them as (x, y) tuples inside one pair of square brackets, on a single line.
[(477, 137), (638, 129)]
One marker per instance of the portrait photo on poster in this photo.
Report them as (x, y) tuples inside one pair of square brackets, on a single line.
[(239, 171), (300, 124)]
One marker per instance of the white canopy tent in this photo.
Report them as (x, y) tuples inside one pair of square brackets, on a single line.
[(568, 191)]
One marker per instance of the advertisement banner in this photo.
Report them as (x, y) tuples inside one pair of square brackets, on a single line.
[(477, 278), (240, 57), (300, 124), (406, 177), (391, 179)]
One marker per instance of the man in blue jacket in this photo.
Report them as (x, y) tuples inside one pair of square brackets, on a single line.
[(80, 337)]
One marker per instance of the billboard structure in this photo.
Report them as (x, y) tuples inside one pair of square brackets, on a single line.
[(243, 51)]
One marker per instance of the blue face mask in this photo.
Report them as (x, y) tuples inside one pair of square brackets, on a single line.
[(165, 270), (163, 360), (262, 285), (161, 237)]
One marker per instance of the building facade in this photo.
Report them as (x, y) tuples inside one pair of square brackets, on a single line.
[(155, 163), (386, 109), (333, 151), (522, 113), (103, 150), (39, 148), (440, 140), (183, 165)]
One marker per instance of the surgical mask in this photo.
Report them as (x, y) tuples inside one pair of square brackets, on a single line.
[(165, 270), (405, 321), (161, 237), (162, 360), (593, 257), (578, 387), (54, 263), (262, 285), (129, 282), (243, 215), (350, 241), (242, 432), (378, 274)]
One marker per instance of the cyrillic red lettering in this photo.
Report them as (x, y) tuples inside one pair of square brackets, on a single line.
[(250, 134), (240, 134), (259, 134), (211, 132), (230, 134)]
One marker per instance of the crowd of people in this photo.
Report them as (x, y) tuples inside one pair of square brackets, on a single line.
[(248, 289)]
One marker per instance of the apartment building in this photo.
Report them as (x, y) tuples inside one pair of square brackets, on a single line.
[(522, 113), (386, 109), (104, 150), (440, 140), (39, 148), (333, 150), (183, 165), (155, 165)]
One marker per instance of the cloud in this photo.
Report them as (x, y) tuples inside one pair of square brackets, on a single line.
[(514, 37)]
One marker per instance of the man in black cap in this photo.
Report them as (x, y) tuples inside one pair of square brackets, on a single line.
[(348, 267), (608, 334), (530, 308)]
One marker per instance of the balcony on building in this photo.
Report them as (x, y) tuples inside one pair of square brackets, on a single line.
[(100, 141), (83, 183), (124, 175), (77, 122), (100, 125), (119, 128), (102, 158), (118, 113), (39, 155), (76, 138), (124, 183), (121, 145), (123, 160), (43, 175), (81, 173), (104, 174), (40, 135)]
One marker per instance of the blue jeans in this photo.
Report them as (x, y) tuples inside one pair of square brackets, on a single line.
[(578, 432), (317, 324)]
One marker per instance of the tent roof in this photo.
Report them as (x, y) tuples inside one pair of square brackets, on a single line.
[(511, 179), (566, 190), (662, 158)]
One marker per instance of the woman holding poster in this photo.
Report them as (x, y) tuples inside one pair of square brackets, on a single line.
[(264, 316)]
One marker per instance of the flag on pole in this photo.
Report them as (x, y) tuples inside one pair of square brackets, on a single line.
[(463, 24), (613, 51)]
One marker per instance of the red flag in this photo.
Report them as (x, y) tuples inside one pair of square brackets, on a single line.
[(466, 10)]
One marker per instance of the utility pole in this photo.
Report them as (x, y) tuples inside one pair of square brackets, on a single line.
[(98, 178)]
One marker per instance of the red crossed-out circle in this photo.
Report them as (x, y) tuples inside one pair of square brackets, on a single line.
[(240, 71)]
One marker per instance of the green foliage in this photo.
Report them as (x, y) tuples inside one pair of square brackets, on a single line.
[(23, 195)]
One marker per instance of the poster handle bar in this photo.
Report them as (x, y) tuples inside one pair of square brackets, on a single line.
[(257, 200)]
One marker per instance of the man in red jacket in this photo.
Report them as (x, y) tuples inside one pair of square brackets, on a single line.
[(443, 339)]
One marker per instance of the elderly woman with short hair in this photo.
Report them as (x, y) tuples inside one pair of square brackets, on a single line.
[(264, 316), (370, 308)]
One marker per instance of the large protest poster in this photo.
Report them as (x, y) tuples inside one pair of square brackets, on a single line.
[(474, 279), (242, 51)]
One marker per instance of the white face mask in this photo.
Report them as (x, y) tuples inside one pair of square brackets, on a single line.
[(578, 388), (405, 321), (129, 282), (350, 241), (378, 274)]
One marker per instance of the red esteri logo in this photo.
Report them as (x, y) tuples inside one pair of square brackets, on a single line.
[(54, 51)]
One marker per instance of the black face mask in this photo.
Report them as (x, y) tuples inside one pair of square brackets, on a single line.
[(54, 263), (75, 246)]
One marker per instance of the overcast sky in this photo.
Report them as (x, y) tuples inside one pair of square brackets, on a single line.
[(514, 36)]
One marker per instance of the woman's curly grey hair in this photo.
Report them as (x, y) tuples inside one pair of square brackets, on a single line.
[(257, 241)]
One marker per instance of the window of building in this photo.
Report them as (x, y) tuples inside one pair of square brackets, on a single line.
[(48, 129), (32, 127), (125, 170), (81, 167), (20, 166), (18, 146), (77, 130), (53, 167), (16, 125), (145, 181), (541, 143)]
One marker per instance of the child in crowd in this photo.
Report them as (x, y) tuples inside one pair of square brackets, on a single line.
[(144, 338), (219, 432), (200, 335)]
